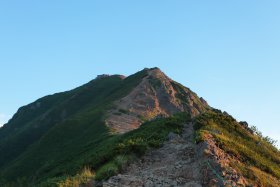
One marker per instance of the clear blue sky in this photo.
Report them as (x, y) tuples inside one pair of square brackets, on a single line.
[(226, 51)]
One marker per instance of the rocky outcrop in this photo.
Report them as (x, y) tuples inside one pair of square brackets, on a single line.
[(156, 96), (180, 162), (220, 163), (245, 125), (177, 163)]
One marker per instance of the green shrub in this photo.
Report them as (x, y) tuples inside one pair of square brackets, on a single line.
[(108, 154), (70, 181), (107, 171)]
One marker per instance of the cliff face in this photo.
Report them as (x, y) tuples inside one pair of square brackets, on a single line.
[(156, 96)]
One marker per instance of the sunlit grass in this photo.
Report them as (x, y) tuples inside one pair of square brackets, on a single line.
[(260, 159)]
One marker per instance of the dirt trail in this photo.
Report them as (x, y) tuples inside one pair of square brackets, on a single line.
[(179, 162)]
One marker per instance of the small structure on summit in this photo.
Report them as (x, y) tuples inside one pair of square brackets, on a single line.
[(102, 76)]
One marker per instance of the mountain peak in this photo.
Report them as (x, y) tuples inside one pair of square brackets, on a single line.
[(154, 70), (87, 123), (155, 96)]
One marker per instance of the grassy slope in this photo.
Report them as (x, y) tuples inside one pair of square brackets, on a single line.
[(259, 159), (184, 94), (76, 135), (73, 123), (22, 131), (109, 157)]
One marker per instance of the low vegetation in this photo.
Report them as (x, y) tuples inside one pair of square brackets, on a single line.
[(259, 158), (114, 153), (71, 122), (69, 181), (62, 140), (125, 148)]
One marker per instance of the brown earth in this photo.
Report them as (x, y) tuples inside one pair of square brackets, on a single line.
[(180, 162), (154, 97)]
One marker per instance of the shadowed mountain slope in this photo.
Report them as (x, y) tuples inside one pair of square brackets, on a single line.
[(59, 134)]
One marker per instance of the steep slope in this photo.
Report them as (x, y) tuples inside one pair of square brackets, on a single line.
[(240, 151), (213, 150), (144, 129), (60, 134), (179, 162), (60, 127), (23, 129), (156, 96)]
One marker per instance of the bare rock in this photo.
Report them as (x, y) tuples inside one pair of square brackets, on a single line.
[(154, 97)]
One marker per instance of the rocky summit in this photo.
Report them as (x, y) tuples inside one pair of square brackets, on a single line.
[(141, 130), (156, 96)]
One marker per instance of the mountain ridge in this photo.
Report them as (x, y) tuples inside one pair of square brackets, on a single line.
[(95, 124), (156, 95)]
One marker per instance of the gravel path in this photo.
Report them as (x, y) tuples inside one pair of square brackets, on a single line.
[(177, 163)]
